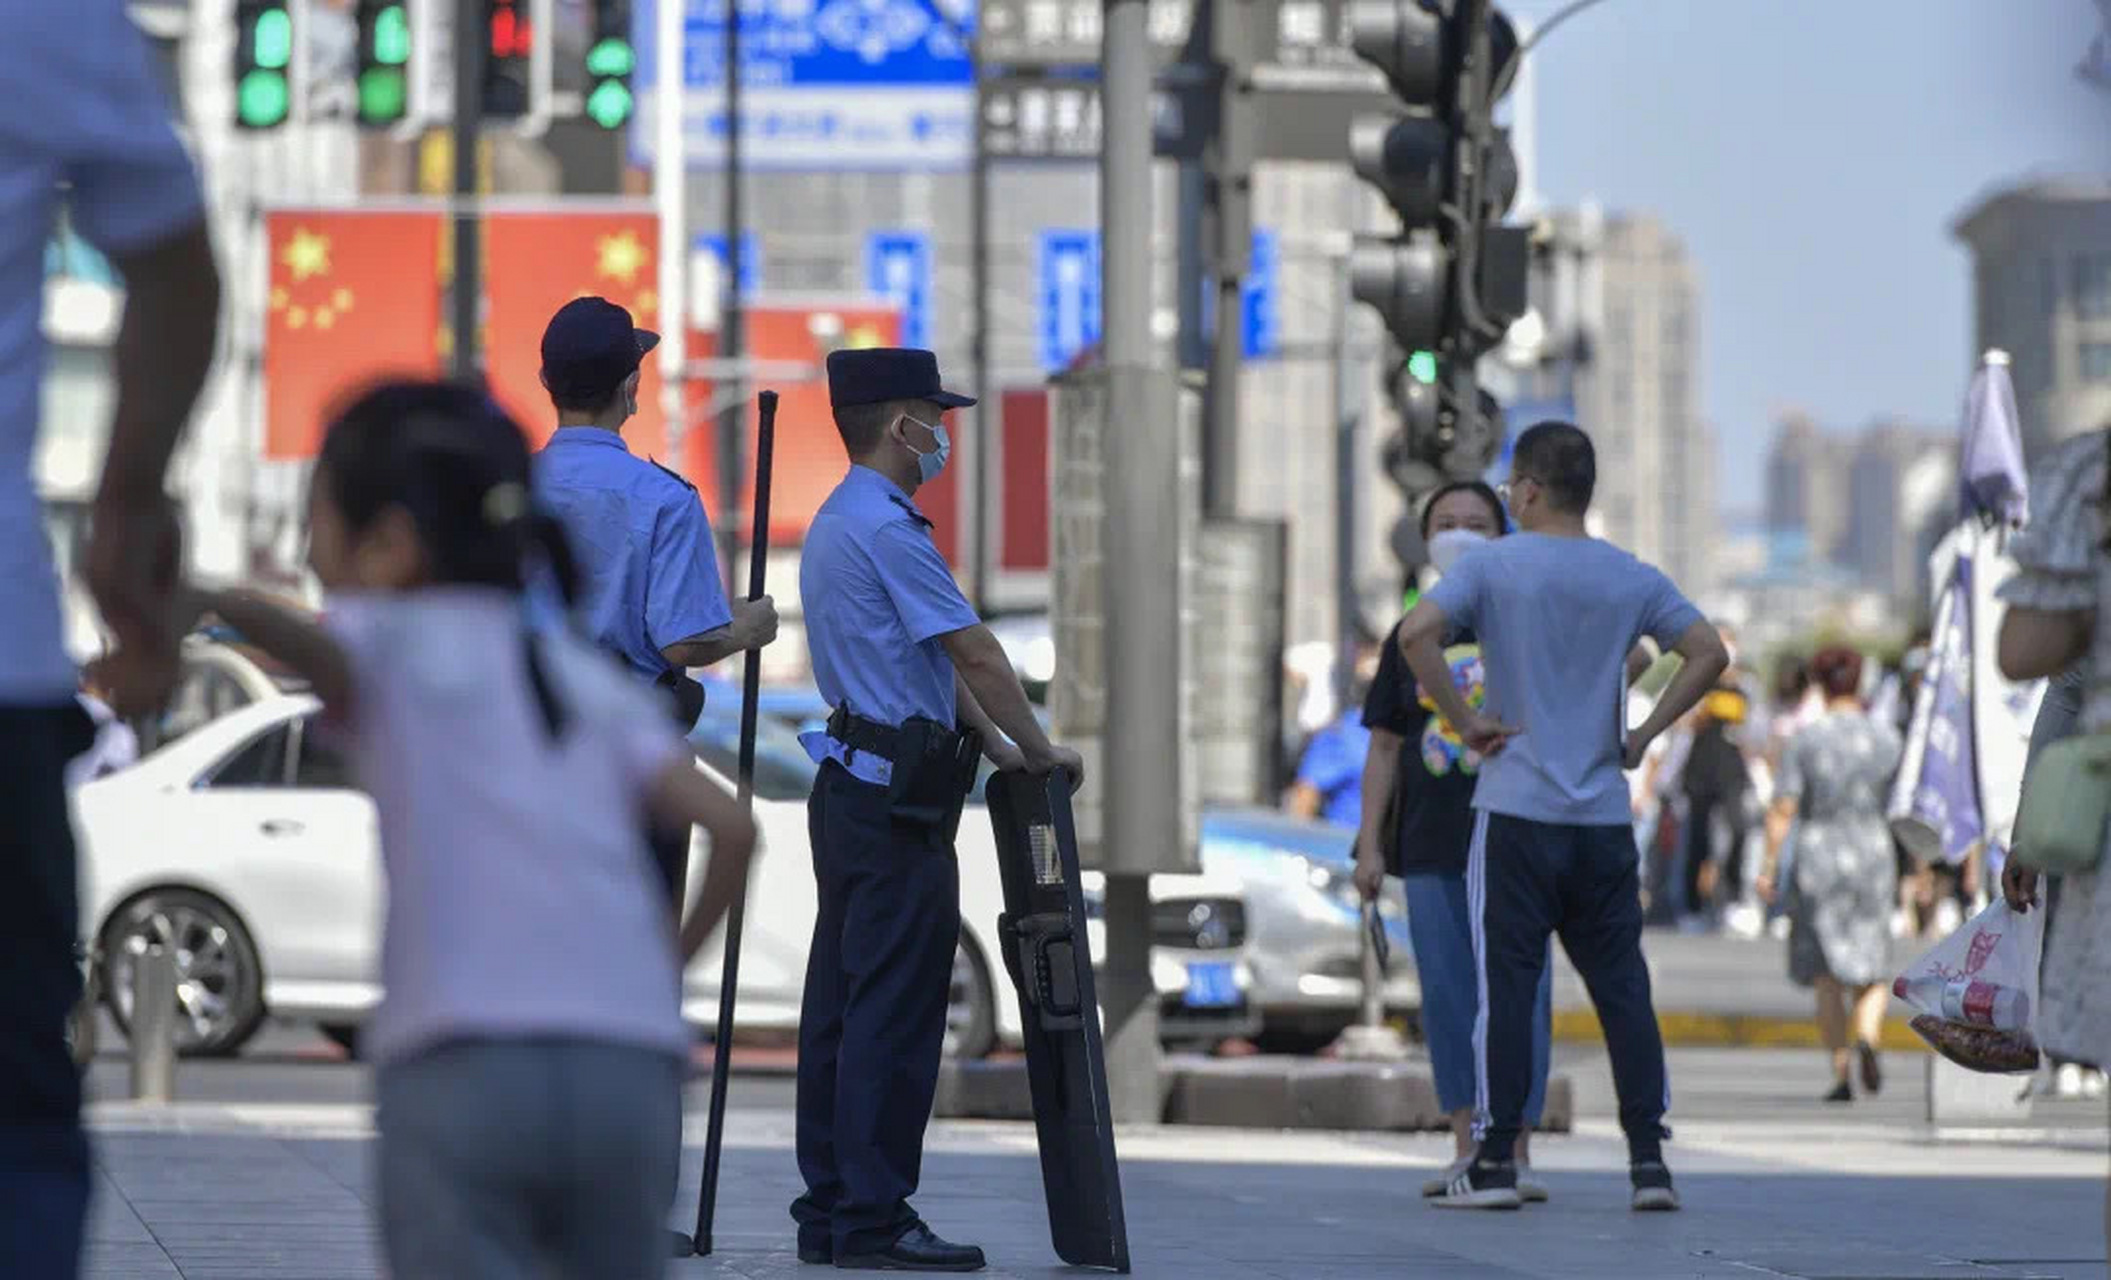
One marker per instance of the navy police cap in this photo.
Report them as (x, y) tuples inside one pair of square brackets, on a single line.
[(876, 375), (591, 346)]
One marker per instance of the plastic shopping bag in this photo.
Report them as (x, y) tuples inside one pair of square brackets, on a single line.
[(1976, 993)]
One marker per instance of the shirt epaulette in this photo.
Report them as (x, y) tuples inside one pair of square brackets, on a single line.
[(910, 507), (678, 477)]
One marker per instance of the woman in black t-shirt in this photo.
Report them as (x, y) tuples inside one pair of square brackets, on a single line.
[(1418, 780)]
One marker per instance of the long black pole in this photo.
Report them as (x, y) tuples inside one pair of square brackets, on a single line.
[(468, 122), (750, 700)]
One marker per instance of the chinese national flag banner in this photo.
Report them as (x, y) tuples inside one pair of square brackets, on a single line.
[(809, 460), (534, 263), (353, 296)]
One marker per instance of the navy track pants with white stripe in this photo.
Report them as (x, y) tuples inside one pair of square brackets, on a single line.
[(1526, 881)]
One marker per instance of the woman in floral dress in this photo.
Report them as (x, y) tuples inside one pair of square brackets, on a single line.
[(1834, 775)]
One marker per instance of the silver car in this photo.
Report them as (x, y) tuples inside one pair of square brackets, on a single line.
[(1304, 918)]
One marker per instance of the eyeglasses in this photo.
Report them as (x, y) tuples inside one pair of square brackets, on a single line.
[(1507, 487)]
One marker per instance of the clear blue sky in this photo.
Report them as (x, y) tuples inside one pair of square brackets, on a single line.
[(1813, 154)]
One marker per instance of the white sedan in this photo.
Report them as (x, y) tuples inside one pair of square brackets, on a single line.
[(245, 847)]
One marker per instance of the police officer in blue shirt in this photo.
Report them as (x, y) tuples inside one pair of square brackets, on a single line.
[(918, 685), (650, 590)]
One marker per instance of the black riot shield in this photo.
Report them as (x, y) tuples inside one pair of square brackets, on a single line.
[(1047, 953)]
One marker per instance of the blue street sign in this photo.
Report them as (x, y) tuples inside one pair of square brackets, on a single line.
[(1260, 329), (898, 268), (825, 84), (1069, 296), (714, 243)]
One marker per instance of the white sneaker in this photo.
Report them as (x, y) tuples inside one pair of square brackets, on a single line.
[(1529, 1188), (1436, 1186), (2067, 1081), (2093, 1084), (1481, 1187)]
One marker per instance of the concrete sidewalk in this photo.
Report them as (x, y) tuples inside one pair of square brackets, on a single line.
[(216, 1192)]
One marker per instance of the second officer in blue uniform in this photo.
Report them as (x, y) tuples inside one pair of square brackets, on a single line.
[(919, 685)]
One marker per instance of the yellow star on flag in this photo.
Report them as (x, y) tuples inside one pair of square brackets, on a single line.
[(306, 254), (621, 257)]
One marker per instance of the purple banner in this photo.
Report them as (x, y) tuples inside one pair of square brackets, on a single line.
[(1935, 808)]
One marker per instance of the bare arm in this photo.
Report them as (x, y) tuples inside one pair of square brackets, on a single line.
[(754, 625), (683, 796), (292, 638), (1381, 762), (1702, 660), (1000, 749), (164, 348), (1419, 634), (983, 669), (2042, 642)]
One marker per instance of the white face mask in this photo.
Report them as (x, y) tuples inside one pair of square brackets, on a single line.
[(1445, 548)]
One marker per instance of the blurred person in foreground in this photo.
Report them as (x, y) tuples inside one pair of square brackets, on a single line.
[(1835, 776), (2059, 622), (530, 1044), (2059, 718), (1559, 614), (1417, 823), (110, 157), (1717, 787)]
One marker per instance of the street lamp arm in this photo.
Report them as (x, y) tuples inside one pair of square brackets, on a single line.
[(1539, 33)]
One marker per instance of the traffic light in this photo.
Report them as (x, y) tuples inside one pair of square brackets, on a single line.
[(509, 51), (611, 59), (384, 62), (263, 63), (1451, 281)]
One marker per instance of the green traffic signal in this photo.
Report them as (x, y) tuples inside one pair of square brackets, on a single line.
[(383, 94), (392, 37), (272, 40), (612, 56), (261, 99), (609, 105), (1422, 366)]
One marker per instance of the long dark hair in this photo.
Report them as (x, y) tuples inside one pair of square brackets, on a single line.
[(1479, 489), (451, 458)]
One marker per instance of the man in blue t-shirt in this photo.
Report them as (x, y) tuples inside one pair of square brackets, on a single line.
[(1558, 613)]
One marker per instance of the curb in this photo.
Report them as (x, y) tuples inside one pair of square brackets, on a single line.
[(1685, 1029)]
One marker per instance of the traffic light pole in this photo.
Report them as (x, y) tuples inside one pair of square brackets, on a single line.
[(1140, 774), (468, 124), (1229, 182)]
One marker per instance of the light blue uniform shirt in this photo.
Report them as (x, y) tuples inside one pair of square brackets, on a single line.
[(87, 126), (877, 596), (1556, 619), (648, 573)]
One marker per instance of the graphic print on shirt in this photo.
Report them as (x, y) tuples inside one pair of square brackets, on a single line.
[(1443, 750)]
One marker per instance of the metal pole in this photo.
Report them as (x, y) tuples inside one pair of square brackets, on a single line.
[(988, 415), (153, 1024), (1192, 273), (1347, 420), (1230, 159), (468, 121), (670, 198), (750, 703), (732, 336), (1143, 532)]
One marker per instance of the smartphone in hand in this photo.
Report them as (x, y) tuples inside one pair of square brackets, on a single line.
[(1379, 942)]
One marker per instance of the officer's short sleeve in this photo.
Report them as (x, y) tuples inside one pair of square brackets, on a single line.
[(918, 581), (683, 594), (131, 182)]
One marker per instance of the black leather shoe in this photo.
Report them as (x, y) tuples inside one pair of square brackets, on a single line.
[(916, 1250)]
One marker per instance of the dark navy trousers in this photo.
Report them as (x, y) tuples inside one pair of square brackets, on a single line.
[(44, 1174), (872, 1025), (1525, 882)]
